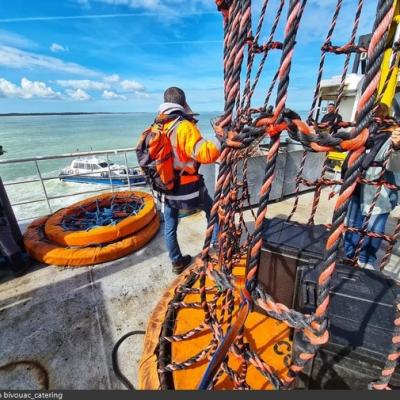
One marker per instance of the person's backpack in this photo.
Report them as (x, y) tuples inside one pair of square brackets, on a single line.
[(155, 155)]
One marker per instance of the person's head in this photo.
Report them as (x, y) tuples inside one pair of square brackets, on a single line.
[(177, 96), (381, 110), (331, 108)]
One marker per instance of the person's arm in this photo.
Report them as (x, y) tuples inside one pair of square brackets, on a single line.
[(194, 146), (325, 122), (394, 162)]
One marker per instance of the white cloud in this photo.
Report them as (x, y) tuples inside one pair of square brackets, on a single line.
[(57, 48), (84, 84), (112, 78), (12, 57), (110, 95), (27, 89), (142, 94), (8, 89), (78, 94), (132, 85), (8, 38)]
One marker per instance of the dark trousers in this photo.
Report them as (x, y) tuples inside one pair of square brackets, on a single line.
[(171, 220), (355, 219)]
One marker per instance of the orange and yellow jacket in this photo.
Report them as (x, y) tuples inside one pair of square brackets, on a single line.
[(190, 150)]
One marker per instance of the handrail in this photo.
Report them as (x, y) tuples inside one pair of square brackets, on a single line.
[(46, 197), (66, 155)]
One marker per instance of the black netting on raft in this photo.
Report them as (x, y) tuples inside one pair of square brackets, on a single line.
[(365, 140), (99, 214)]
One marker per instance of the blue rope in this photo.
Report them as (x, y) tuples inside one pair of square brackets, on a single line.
[(84, 220)]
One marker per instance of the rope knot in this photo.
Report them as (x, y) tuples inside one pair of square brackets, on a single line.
[(223, 6), (257, 48)]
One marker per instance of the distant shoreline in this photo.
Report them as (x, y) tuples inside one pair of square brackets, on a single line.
[(86, 113), (59, 113)]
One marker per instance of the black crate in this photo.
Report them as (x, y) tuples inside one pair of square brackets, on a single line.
[(332, 368), (361, 310), (288, 246)]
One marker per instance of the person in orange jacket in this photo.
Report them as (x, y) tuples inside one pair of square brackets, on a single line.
[(190, 150)]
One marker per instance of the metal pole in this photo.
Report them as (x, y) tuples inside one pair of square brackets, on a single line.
[(109, 173), (127, 171), (67, 155), (8, 211), (43, 186)]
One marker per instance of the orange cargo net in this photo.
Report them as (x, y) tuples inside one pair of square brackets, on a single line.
[(270, 337)]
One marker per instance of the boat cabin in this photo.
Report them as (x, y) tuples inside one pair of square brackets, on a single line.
[(91, 164)]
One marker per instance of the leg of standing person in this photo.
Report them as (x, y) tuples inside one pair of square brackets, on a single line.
[(354, 220), (170, 232), (371, 245)]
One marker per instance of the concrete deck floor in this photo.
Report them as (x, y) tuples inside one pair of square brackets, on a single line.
[(58, 325)]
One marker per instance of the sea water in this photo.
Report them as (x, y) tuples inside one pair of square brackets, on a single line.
[(49, 135), (31, 136)]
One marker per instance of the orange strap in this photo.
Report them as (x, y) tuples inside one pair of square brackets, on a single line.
[(186, 179)]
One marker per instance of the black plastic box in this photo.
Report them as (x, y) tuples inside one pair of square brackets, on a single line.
[(361, 312), (288, 248)]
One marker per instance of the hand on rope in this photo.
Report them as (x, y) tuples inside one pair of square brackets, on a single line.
[(272, 125), (396, 139), (246, 136)]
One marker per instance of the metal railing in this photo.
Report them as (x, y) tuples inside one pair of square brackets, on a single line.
[(47, 198)]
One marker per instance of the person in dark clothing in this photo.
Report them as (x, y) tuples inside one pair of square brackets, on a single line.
[(331, 120)]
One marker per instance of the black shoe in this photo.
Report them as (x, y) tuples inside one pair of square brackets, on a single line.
[(179, 266)]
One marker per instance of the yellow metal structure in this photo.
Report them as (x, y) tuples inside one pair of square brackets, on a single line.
[(389, 92), (394, 35)]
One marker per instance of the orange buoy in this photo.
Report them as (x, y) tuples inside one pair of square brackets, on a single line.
[(56, 233), (162, 364), (42, 249)]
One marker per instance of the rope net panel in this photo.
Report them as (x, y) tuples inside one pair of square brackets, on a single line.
[(224, 301), (96, 214)]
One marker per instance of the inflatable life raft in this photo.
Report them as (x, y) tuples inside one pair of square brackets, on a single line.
[(173, 362), (96, 230)]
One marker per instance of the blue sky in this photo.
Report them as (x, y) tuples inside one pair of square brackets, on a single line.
[(120, 55)]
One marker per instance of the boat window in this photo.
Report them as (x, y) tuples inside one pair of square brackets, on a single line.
[(104, 165), (95, 166)]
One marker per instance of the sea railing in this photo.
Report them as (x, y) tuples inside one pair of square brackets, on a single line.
[(43, 179)]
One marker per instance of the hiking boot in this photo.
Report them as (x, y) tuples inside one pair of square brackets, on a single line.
[(214, 248), (179, 266)]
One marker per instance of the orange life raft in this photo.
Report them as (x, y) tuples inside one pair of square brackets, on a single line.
[(270, 337), (43, 250), (100, 234), (52, 241)]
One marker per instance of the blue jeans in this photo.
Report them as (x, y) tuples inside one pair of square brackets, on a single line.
[(171, 225), (355, 219)]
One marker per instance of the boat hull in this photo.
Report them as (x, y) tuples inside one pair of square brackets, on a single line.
[(134, 180)]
